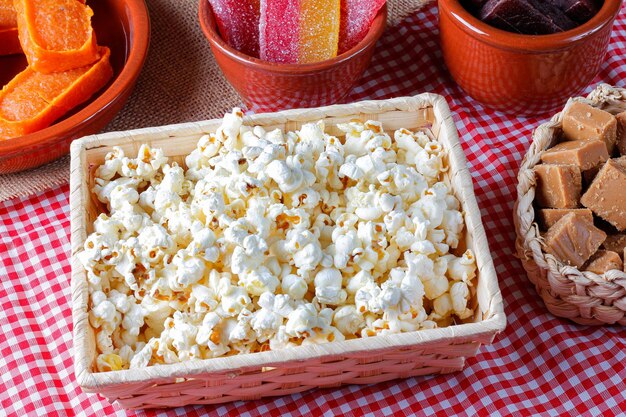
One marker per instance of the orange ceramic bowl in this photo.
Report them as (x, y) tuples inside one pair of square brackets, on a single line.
[(123, 26), (523, 74), (267, 86)]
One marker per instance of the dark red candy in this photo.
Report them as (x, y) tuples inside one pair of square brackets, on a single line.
[(579, 11), (531, 17), (473, 5), (553, 13)]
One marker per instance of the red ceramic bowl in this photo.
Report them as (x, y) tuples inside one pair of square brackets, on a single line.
[(522, 74), (123, 26), (267, 86)]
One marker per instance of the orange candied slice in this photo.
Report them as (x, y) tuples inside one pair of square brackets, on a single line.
[(9, 42), (319, 30), (56, 35), (33, 101)]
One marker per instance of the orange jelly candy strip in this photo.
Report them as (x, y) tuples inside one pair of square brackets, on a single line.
[(33, 101), (56, 35), (319, 30), (9, 42)]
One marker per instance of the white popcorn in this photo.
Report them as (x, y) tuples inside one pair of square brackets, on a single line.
[(202, 299), (142, 358), (287, 175), (274, 309), (294, 286), (306, 320), (350, 169), (258, 281), (463, 268), (459, 293), (181, 335), (189, 270), (103, 313), (112, 164), (109, 362), (210, 334), (233, 299), (348, 320), (271, 240), (156, 313), (423, 267), (328, 287)]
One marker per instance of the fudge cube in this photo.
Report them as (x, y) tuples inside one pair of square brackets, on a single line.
[(584, 122), (621, 133), (572, 240), (548, 217), (589, 175), (604, 260), (615, 243), (585, 154), (606, 196), (558, 186)]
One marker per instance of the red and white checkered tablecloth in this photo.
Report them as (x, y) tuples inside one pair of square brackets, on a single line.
[(540, 365)]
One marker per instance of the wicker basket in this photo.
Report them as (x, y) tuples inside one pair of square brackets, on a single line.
[(581, 296), (256, 375)]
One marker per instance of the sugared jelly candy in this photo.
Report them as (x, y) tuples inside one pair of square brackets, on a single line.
[(238, 23), (299, 31), (319, 30), (279, 30), (356, 19)]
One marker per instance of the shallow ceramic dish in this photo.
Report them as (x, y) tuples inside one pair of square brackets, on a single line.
[(269, 86), (123, 26), (523, 74)]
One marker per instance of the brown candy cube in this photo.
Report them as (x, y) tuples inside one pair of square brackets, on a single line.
[(621, 133), (615, 243), (548, 217), (584, 122), (585, 154), (606, 196), (558, 186), (603, 261), (572, 240), (589, 175)]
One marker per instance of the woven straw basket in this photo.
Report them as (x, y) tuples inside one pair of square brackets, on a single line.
[(581, 296), (272, 373)]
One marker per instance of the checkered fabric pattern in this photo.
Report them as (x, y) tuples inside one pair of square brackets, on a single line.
[(540, 365)]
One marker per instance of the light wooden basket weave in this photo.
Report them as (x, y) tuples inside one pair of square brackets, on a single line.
[(272, 373), (581, 296)]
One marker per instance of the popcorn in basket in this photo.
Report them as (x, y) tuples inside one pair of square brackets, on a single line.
[(265, 242)]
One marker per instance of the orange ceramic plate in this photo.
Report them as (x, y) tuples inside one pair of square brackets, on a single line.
[(9, 42), (64, 41), (33, 101)]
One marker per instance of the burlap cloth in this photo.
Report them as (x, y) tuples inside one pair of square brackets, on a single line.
[(180, 82)]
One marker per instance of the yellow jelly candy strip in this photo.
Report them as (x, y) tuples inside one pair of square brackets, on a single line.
[(319, 30)]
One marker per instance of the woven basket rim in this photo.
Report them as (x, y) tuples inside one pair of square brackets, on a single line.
[(529, 240), (493, 322)]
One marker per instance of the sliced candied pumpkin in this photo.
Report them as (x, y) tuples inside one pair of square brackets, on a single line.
[(33, 101), (9, 42), (56, 35)]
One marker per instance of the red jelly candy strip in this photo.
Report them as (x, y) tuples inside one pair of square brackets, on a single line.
[(238, 23), (356, 19), (279, 30)]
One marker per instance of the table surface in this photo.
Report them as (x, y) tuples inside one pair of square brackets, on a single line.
[(540, 365)]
